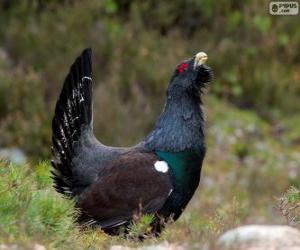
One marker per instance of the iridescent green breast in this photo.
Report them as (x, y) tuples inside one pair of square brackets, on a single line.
[(185, 167)]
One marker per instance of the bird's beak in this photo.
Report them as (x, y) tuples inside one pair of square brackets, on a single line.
[(200, 59)]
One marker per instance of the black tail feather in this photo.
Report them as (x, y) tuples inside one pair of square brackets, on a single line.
[(73, 113)]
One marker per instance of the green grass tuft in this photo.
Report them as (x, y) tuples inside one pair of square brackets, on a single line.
[(289, 206), (141, 227), (29, 207)]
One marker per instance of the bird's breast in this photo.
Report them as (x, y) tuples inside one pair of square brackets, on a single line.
[(185, 168)]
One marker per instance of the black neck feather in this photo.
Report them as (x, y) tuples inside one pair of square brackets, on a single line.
[(180, 126)]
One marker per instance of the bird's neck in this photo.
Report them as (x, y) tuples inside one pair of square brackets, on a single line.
[(180, 127)]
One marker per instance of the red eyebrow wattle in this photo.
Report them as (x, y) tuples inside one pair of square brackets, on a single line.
[(182, 67)]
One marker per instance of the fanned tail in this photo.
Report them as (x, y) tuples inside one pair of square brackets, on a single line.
[(73, 115)]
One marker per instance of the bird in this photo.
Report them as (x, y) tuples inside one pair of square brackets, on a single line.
[(158, 176)]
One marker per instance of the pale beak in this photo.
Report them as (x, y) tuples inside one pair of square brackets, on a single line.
[(200, 59)]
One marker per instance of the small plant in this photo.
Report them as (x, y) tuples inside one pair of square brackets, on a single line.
[(29, 207), (141, 227), (226, 217), (289, 206)]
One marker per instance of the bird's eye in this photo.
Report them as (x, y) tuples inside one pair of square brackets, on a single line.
[(182, 67)]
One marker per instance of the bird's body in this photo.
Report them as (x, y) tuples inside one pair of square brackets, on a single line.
[(157, 176)]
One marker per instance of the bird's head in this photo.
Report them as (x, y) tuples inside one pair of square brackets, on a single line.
[(191, 76)]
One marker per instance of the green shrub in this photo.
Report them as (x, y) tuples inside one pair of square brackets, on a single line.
[(29, 207)]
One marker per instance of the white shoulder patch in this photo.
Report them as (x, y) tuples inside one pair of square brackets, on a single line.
[(161, 166)]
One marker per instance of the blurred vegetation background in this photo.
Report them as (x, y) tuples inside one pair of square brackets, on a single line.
[(253, 111), (137, 44)]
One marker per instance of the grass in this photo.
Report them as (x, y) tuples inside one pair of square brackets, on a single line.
[(289, 206), (30, 209), (249, 165)]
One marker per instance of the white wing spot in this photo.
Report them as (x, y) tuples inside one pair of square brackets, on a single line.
[(161, 166), (81, 99), (86, 77)]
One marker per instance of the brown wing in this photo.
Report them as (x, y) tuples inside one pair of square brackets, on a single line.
[(129, 185)]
